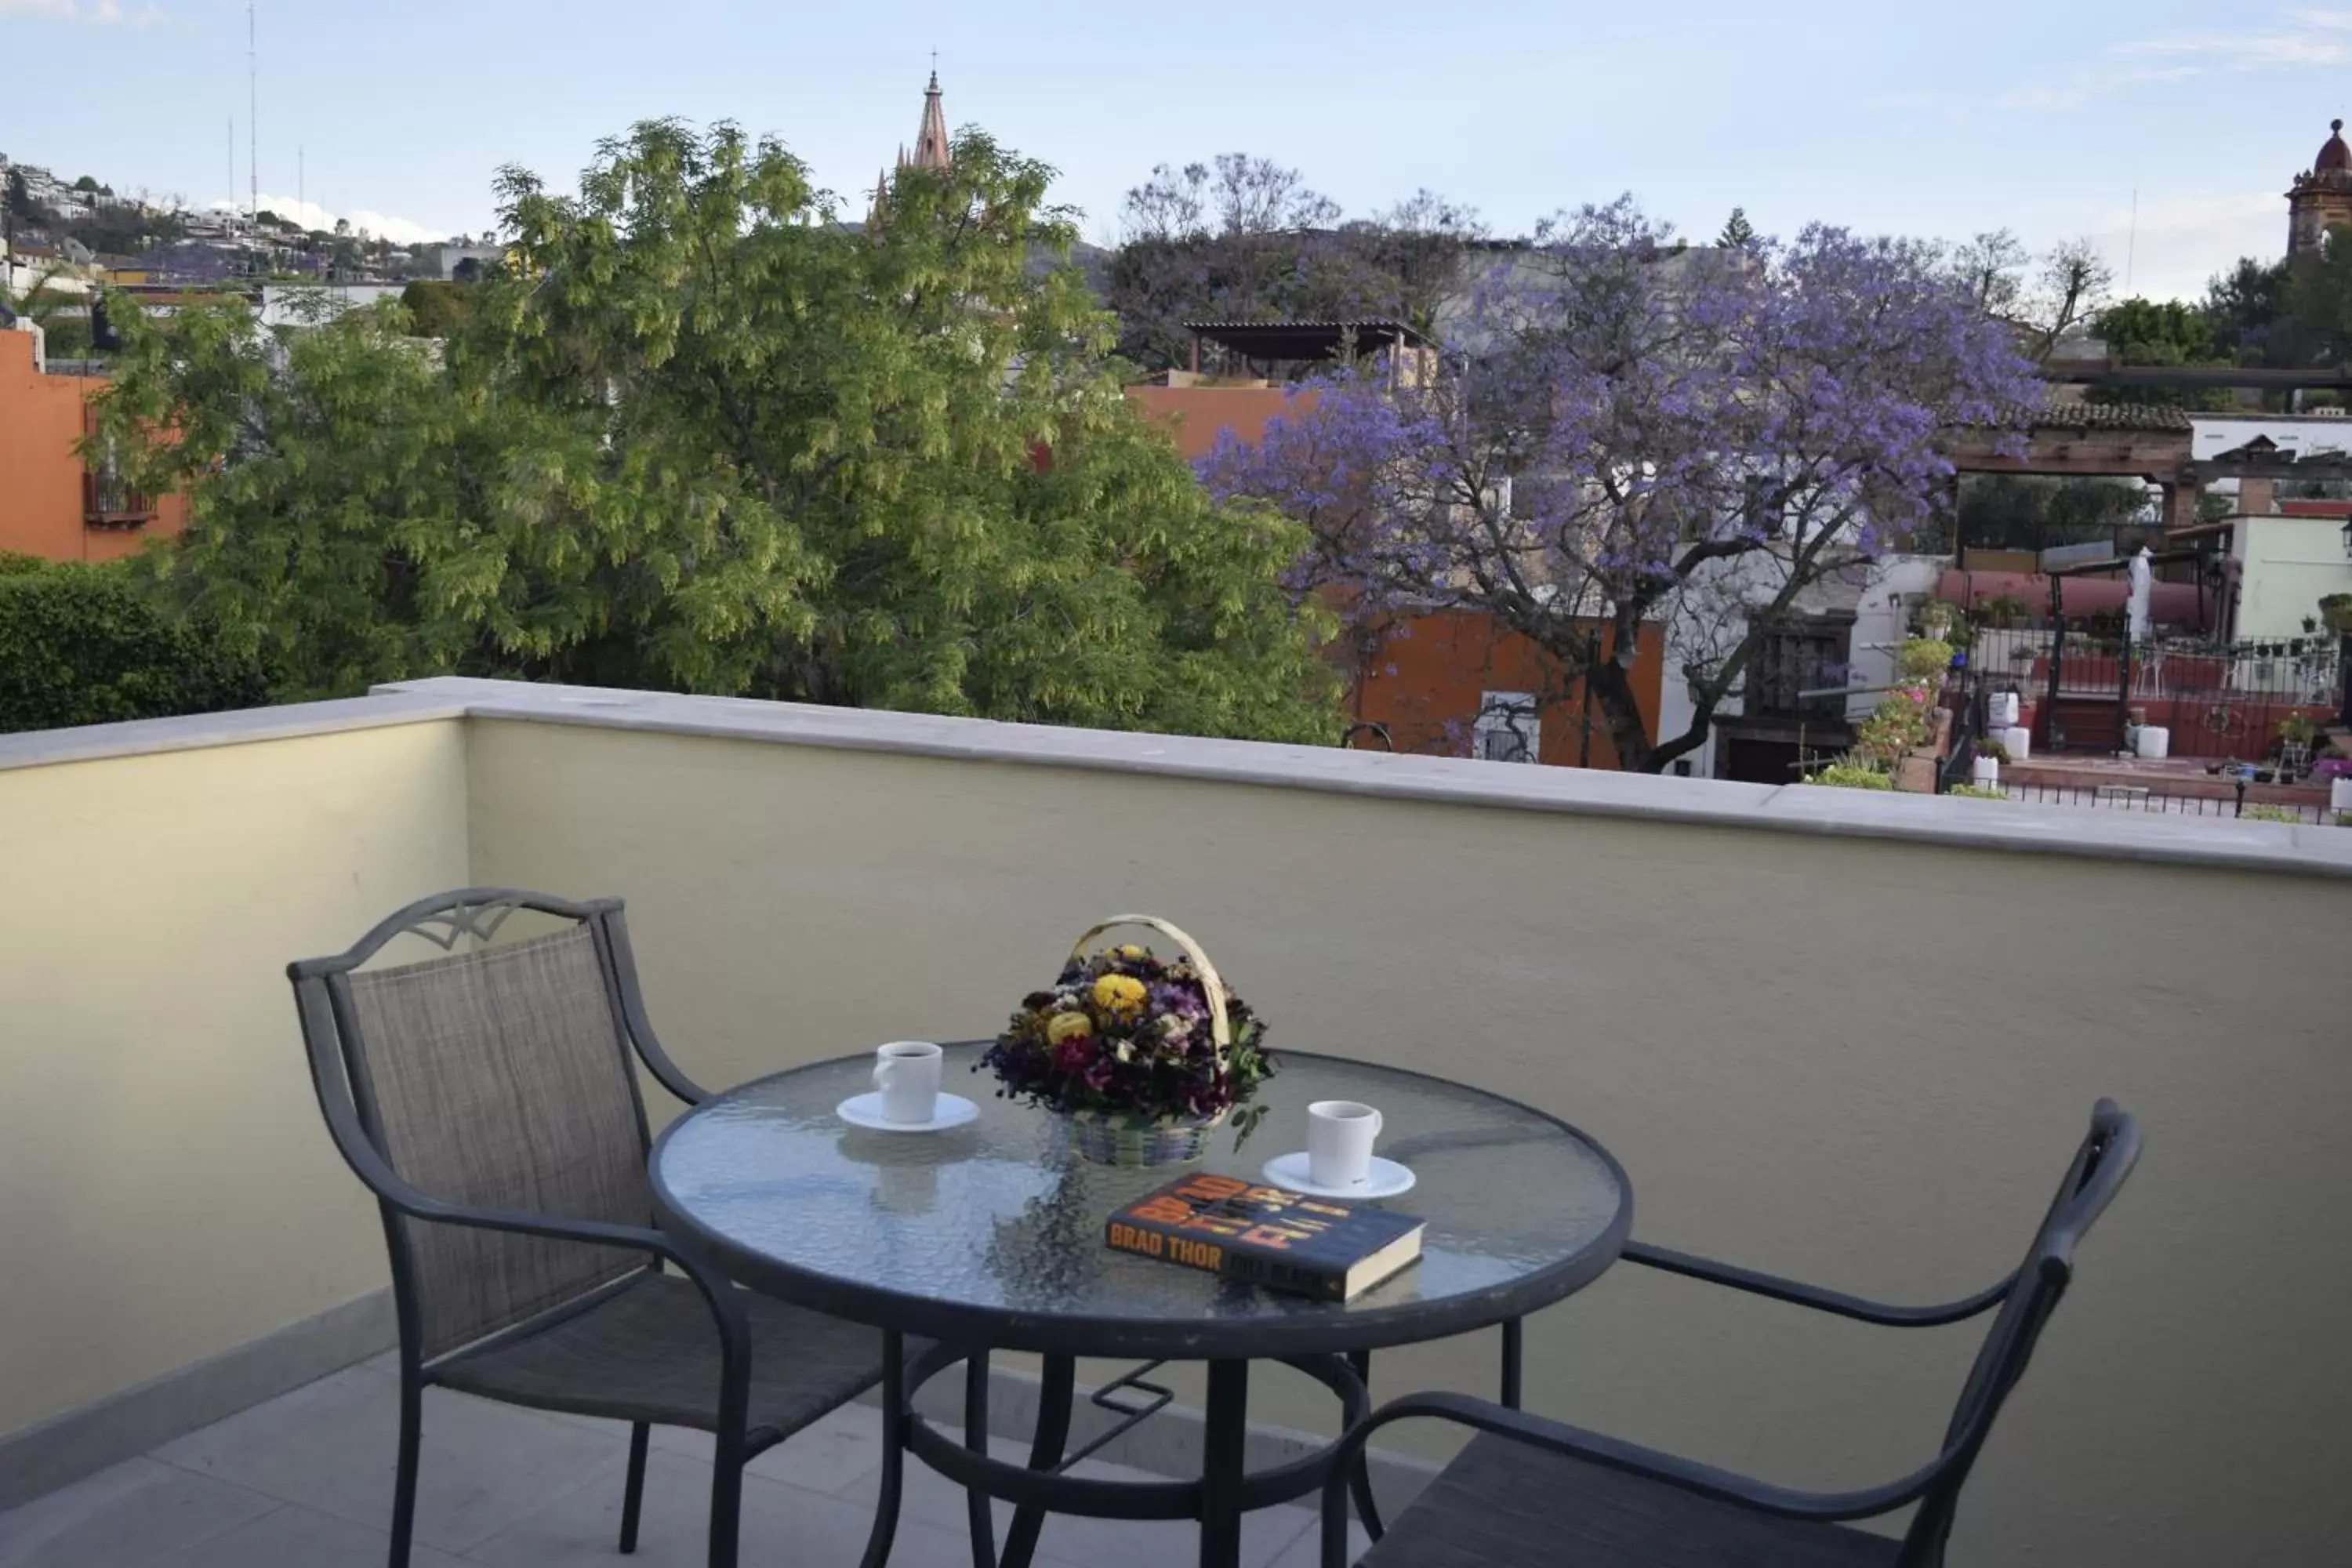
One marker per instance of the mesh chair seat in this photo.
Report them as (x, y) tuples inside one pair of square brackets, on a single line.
[(648, 1352), (1503, 1504)]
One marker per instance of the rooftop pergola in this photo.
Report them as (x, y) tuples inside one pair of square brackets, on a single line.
[(1304, 341)]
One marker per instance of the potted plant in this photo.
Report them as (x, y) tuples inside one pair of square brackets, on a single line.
[(2003, 611), (1141, 1056), (2296, 733)]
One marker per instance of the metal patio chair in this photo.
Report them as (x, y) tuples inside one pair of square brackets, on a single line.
[(1529, 1492), (489, 1098)]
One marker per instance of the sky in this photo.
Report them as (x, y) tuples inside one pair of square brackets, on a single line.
[(2165, 131)]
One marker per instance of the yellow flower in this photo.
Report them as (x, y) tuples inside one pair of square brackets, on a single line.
[(1068, 1026), (1120, 994), (1130, 951)]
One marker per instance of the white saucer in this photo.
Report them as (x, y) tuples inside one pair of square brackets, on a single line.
[(1386, 1178), (865, 1110)]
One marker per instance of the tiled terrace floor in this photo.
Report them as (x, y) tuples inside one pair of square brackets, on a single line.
[(305, 1481)]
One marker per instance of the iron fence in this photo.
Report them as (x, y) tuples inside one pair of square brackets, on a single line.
[(2135, 797), (2086, 690)]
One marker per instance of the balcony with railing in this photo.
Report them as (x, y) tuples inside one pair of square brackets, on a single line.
[(108, 502), (1844, 1036)]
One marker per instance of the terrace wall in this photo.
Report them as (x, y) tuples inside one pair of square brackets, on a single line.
[(1849, 1038)]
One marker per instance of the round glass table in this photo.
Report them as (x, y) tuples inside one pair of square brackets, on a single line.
[(990, 1235)]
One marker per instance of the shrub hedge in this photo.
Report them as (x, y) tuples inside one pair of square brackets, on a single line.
[(88, 645)]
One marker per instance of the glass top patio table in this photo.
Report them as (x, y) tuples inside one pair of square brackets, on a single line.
[(991, 1234)]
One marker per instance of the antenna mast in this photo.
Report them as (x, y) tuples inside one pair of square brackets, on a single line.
[(2131, 243), (252, 119)]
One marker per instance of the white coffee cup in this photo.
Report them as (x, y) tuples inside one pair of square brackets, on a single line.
[(1339, 1134), (908, 1074)]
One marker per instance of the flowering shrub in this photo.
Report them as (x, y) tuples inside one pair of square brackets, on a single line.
[(1901, 723), (1127, 1032), (1850, 775)]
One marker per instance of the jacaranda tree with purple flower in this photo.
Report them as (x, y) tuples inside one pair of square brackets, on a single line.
[(1620, 428)]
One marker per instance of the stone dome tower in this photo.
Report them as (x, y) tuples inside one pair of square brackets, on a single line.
[(2321, 199)]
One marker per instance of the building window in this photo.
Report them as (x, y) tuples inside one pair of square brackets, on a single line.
[(1507, 729), (1799, 656)]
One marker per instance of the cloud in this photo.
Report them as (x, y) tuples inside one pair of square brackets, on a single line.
[(311, 214), (2079, 89), (101, 11), (2295, 41)]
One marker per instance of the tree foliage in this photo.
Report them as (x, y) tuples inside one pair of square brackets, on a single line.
[(2159, 333), (701, 436), (2045, 298), (88, 645), (2020, 511), (2318, 303), (437, 309), (2287, 314), (1644, 432), (1246, 239)]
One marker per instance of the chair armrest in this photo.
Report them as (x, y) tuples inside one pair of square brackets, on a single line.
[(649, 1046), (718, 1290), (1804, 1295), (1556, 1436)]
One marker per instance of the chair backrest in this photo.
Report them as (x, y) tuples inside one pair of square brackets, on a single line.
[(2093, 1178), (498, 1078)]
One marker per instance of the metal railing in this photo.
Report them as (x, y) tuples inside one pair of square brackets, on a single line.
[(108, 502), (2139, 797), (2086, 687)]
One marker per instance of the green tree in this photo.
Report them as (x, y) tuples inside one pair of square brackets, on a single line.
[(2159, 333), (435, 309), (1737, 234), (20, 201), (701, 436), (1245, 239), (2010, 512), (2317, 303)]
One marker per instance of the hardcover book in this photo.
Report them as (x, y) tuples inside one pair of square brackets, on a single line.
[(1267, 1235)]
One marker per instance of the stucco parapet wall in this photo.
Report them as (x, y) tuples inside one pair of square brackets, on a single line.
[(93, 743), (1955, 822)]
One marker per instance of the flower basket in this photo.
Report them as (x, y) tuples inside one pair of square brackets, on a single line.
[(1121, 1138), (1143, 1057)]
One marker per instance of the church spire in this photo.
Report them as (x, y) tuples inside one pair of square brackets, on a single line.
[(931, 140), (930, 149)]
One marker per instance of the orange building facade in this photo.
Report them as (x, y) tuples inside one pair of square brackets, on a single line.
[(1195, 415), (1449, 682), (1446, 682), (51, 503)]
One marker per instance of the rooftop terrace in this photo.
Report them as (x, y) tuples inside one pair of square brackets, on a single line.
[(1843, 1036)]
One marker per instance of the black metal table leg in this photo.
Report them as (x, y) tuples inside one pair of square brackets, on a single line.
[(1054, 1394), (1513, 1360), (1222, 1467), (894, 1398), (1360, 1485), (982, 1516)]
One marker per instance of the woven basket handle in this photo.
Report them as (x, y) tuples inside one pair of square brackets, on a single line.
[(1221, 1028)]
